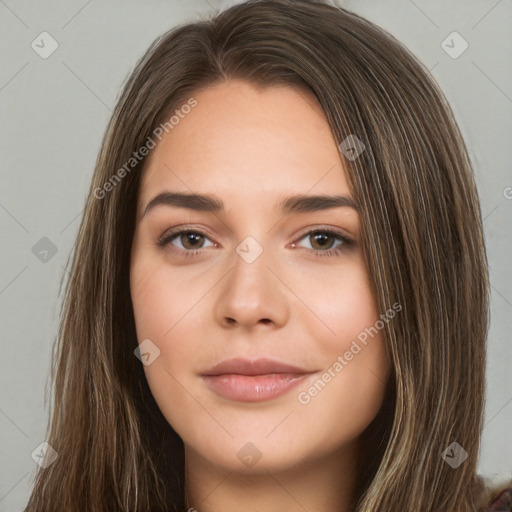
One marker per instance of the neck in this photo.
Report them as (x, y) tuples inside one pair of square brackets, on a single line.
[(325, 484)]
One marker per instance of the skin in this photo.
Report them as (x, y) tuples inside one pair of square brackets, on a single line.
[(251, 148)]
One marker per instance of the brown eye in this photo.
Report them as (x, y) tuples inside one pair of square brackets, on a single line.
[(321, 240), (190, 240)]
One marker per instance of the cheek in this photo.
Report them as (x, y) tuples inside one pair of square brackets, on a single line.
[(159, 300), (160, 310), (166, 312), (340, 306), (348, 391), (351, 345)]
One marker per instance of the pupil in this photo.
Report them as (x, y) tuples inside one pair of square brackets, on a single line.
[(191, 237), (321, 237)]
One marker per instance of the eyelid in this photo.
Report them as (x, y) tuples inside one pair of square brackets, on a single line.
[(172, 233), (326, 229)]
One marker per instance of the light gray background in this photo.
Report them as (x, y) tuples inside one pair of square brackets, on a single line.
[(54, 112)]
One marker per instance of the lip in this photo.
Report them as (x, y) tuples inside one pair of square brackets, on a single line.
[(261, 366), (255, 380)]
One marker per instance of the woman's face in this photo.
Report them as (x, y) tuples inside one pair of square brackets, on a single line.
[(262, 343)]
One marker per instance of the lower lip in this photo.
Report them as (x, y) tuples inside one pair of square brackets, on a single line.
[(253, 388)]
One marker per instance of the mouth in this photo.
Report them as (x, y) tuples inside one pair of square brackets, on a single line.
[(256, 380)]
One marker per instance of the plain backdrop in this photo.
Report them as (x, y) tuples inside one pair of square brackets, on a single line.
[(54, 111)]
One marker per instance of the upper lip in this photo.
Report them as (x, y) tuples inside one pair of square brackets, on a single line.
[(260, 366)]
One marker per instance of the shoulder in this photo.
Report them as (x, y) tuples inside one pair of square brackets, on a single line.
[(495, 497)]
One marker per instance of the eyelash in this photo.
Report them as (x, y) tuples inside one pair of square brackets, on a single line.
[(169, 236)]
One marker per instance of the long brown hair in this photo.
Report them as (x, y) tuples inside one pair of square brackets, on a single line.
[(422, 238)]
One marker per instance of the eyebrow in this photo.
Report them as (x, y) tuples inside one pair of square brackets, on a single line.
[(208, 203)]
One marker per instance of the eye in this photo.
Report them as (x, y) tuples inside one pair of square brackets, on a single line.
[(190, 240), (322, 241)]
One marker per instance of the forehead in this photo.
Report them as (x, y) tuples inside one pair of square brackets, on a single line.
[(241, 141)]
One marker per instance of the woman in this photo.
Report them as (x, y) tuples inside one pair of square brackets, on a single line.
[(279, 293)]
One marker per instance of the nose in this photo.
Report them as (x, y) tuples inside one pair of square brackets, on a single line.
[(252, 294)]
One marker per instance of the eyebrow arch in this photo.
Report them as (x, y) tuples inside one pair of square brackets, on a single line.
[(208, 203)]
